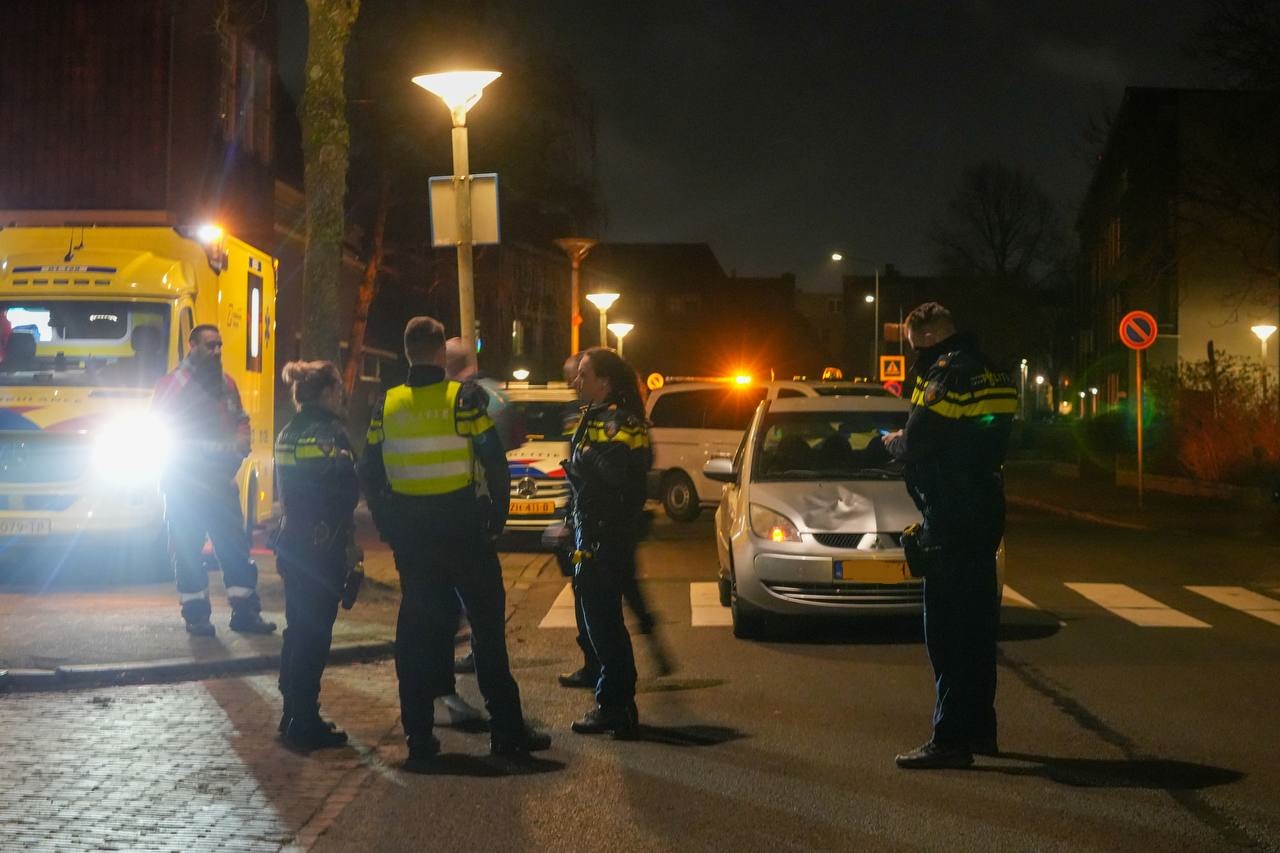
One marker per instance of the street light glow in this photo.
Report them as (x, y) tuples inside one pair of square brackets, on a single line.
[(520, 374), (869, 298), (460, 90), (837, 257), (1039, 379), (1263, 331), (1093, 391), (620, 330), (602, 301)]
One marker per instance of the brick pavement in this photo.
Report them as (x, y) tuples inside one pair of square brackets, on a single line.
[(185, 767)]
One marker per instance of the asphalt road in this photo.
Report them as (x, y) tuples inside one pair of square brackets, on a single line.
[(1116, 735)]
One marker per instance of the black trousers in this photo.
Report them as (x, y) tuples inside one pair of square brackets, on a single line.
[(961, 623), (598, 584), (440, 565), (312, 591), (629, 588)]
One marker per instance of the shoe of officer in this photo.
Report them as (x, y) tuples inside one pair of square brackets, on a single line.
[(523, 742), (935, 756), (584, 677), (422, 752), (465, 665), (311, 731), (201, 627), (453, 710), (247, 621), (621, 722)]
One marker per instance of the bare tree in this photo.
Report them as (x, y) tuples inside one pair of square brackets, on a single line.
[(1239, 42), (325, 145), (1000, 226)]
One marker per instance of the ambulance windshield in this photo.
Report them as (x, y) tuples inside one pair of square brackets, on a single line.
[(83, 342)]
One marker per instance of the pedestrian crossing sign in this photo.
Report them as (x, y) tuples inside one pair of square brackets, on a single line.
[(892, 367)]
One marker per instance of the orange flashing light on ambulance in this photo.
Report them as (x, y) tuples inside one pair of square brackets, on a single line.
[(90, 319)]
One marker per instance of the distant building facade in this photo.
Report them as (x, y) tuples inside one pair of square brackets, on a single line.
[(1182, 219)]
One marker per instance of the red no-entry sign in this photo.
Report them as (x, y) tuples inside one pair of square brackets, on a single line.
[(1138, 330)]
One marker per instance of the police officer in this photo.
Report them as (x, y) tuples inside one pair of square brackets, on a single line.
[(953, 448), (608, 461), (314, 548), (203, 406), (419, 475)]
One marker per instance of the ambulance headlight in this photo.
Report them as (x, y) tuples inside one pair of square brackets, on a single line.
[(132, 449)]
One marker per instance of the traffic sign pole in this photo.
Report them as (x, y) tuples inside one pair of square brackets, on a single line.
[(1138, 330), (1138, 355)]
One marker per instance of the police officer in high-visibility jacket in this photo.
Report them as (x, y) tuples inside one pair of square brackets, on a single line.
[(315, 549), (419, 477), (608, 461), (953, 448)]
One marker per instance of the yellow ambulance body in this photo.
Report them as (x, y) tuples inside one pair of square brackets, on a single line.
[(90, 318)]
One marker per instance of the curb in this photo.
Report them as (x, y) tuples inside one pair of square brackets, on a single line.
[(1079, 515), (171, 669)]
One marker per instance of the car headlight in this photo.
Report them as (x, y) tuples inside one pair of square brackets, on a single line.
[(131, 449), (771, 525)]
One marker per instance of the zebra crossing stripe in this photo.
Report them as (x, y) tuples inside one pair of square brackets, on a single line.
[(1016, 599), (1244, 600), (705, 608), (1143, 610), (561, 613)]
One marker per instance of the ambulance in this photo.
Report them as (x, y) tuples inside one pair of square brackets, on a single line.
[(90, 318)]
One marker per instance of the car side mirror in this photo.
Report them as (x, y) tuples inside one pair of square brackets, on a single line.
[(720, 469)]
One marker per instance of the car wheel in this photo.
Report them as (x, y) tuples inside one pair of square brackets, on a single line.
[(749, 622), (726, 592), (679, 497)]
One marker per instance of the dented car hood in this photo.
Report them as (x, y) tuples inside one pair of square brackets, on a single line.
[(840, 506)]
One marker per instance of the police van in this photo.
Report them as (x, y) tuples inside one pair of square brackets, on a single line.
[(90, 318), (546, 416)]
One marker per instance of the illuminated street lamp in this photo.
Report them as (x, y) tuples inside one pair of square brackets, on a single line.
[(620, 331), (1039, 382), (1093, 393), (576, 248), (1022, 389), (874, 299), (1263, 332), (603, 301), (460, 90)]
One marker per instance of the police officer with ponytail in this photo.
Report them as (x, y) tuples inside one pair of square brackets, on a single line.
[(315, 551), (419, 474)]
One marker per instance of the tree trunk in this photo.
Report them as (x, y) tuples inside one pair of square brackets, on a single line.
[(368, 289), (325, 144)]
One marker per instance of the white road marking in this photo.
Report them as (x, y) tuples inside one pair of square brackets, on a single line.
[(1244, 600), (705, 608), (561, 613), (1016, 599), (1127, 603)]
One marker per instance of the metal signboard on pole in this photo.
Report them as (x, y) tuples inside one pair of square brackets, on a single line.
[(484, 211), (1138, 330)]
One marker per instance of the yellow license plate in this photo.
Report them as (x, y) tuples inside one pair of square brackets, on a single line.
[(533, 507), (869, 571), (24, 527)]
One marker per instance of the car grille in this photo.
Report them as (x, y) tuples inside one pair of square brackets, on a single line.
[(541, 489), (851, 540), (42, 458), (861, 594)]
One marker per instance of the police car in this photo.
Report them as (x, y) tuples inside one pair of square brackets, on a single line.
[(546, 414)]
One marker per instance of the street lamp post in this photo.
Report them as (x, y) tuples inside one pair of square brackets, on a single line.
[(460, 90), (1264, 331), (875, 299), (620, 331), (1022, 390), (603, 301), (576, 248), (1039, 383)]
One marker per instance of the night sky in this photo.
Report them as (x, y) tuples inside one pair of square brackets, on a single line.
[(779, 132)]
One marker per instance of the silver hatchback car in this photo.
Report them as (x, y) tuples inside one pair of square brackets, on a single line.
[(809, 521)]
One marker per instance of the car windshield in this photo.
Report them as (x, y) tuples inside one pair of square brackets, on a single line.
[(826, 445), (547, 420), (83, 342), (851, 390)]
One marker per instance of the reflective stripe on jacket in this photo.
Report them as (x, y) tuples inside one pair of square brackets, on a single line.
[(425, 438)]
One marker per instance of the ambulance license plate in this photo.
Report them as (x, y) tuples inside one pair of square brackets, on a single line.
[(533, 507), (24, 527)]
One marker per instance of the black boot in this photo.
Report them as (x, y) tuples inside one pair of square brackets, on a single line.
[(623, 722), (311, 731), (423, 748), (286, 715), (247, 620), (584, 677)]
